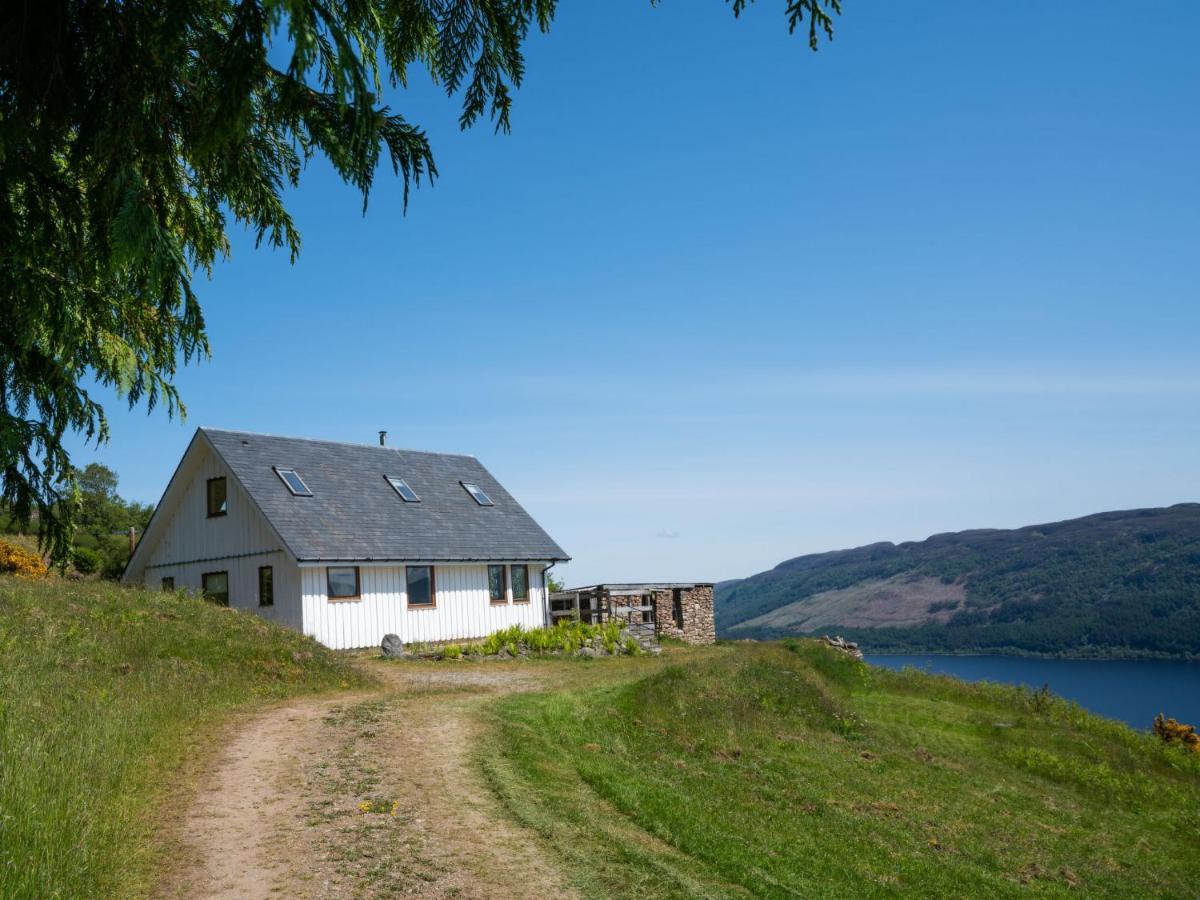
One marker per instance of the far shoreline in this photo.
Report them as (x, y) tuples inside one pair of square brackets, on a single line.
[(1024, 654), (1114, 654)]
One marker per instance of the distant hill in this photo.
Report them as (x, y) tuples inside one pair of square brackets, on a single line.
[(1112, 584)]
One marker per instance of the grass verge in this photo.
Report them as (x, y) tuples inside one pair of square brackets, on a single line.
[(796, 771), (103, 691)]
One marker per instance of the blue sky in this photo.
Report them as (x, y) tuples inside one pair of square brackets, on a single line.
[(718, 301)]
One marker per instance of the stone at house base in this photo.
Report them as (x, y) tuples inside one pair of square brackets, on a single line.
[(392, 646)]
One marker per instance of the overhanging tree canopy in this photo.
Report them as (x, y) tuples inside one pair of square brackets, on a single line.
[(131, 131)]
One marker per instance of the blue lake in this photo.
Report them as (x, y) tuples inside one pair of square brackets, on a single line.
[(1134, 691)]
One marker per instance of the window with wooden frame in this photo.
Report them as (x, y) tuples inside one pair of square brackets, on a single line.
[(497, 590), (218, 501), (677, 607), (215, 586), (519, 578), (168, 583), (422, 590), (266, 586), (342, 582)]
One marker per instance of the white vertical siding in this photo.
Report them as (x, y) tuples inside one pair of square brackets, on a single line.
[(189, 533), (243, 583), (184, 544), (462, 610), (187, 543)]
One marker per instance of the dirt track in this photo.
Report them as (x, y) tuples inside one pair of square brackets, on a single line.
[(372, 795)]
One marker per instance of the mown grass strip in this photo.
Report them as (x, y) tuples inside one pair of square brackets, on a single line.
[(801, 772)]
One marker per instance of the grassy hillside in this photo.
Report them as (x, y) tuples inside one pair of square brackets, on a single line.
[(796, 771), (1118, 583), (103, 690)]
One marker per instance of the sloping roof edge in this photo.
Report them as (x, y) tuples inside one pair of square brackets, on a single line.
[(246, 491), (359, 527), (158, 507), (197, 435)]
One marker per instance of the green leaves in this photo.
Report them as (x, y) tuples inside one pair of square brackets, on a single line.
[(130, 131), (820, 16)]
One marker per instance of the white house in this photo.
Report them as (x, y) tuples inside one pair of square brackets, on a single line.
[(347, 542)]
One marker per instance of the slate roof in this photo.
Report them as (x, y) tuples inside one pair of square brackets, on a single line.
[(354, 514)]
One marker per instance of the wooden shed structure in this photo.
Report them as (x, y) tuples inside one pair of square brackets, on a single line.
[(650, 610)]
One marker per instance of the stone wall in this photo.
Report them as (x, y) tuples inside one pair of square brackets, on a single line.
[(699, 626)]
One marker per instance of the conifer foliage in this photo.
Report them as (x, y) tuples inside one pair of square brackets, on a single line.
[(130, 133)]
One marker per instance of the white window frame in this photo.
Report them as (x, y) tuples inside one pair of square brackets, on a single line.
[(279, 470), (476, 492), (393, 480)]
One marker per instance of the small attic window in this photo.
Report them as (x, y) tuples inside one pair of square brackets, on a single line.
[(400, 486), (294, 482), (218, 498), (478, 493)]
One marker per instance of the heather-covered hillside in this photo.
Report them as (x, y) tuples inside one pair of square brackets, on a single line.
[(1115, 583)]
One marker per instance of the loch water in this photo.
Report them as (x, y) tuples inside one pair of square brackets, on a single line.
[(1134, 691)]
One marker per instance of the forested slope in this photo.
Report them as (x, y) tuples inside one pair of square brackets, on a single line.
[(1115, 583)]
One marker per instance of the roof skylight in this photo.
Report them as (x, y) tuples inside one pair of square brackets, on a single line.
[(478, 493), (294, 482), (400, 486)]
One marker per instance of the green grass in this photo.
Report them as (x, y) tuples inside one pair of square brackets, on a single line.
[(787, 771), (104, 692)]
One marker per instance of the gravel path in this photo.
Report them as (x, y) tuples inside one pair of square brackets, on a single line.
[(370, 796)]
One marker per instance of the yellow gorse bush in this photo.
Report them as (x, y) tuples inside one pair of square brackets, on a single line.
[(15, 561), (1171, 731)]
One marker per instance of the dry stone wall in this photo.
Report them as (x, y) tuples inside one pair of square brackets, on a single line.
[(699, 625)]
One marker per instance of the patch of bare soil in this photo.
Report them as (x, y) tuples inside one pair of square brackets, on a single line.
[(228, 841), (371, 796)]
